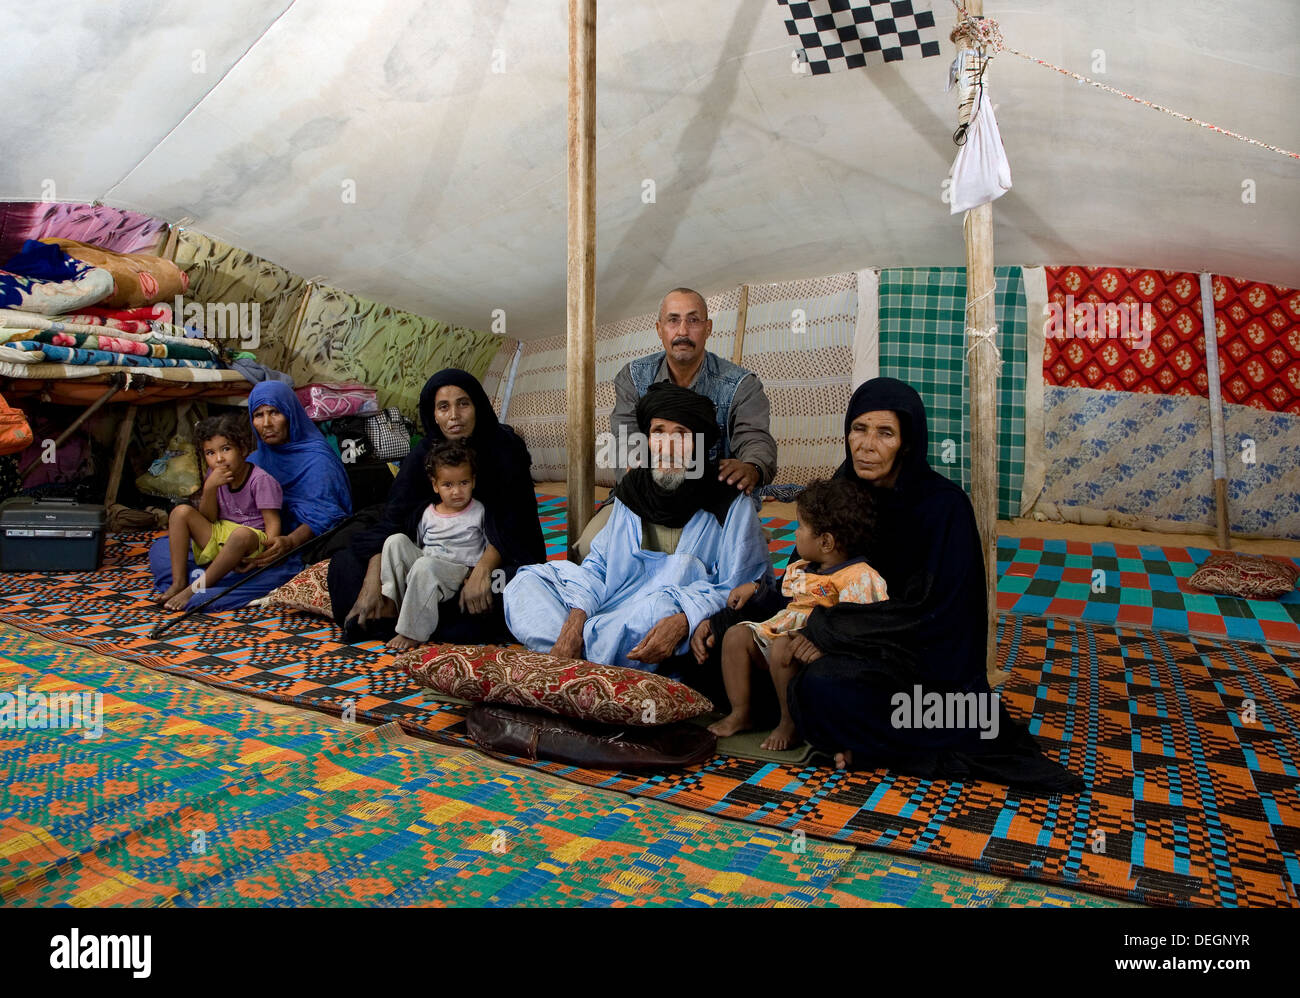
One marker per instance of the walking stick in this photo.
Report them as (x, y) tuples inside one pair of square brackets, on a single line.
[(315, 542)]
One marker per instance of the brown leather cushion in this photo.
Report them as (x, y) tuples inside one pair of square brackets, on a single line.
[(529, 734), (307, 591), (1248, 576), (567, 686)]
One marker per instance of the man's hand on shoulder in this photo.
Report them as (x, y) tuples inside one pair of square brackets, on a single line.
[(739, 473)]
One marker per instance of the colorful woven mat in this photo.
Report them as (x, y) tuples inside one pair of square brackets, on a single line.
[(1130, 584), (1194, 798), (196, 797)]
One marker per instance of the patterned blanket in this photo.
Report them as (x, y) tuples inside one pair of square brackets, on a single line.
[(116, 343), (35, 352), (1192, 797)]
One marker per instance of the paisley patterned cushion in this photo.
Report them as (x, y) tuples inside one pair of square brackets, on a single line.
[(307, 591), (567, 686), (1245, 575)]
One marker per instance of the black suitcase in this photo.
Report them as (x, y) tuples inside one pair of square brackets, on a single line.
[(50, 535)]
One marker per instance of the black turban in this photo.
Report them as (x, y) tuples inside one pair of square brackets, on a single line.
[(681, 405), (674, 507)]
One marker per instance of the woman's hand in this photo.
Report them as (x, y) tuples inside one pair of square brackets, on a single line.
[(702, 641), (476, 593), (369, 601), (781, 653), (741, 595), (275, 547), (662, 640), (803, 650)]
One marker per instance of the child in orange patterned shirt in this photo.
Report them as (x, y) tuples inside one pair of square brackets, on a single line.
[(834, 530)]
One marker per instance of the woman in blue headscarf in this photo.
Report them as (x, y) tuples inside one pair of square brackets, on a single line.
[(316, 495), (293, 452)]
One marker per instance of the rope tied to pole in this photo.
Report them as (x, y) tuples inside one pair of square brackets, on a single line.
[(985, 36), (986, 338), (978, 40), (976, 31), (977, 337)]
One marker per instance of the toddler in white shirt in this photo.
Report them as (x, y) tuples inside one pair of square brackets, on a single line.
[(451, 541)]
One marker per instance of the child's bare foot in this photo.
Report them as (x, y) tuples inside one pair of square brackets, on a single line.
[(781, 738), (844, 760), (401, 642), (164, 597), (730, 725), (175, 599)]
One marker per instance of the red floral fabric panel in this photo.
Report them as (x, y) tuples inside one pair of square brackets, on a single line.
[(1133, 330), (1259, 344)]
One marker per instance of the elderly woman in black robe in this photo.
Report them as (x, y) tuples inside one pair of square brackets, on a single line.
[(863, 665), (453, 406), (866, 663)]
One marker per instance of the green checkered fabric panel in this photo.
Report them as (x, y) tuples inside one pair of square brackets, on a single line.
[(922, 342)]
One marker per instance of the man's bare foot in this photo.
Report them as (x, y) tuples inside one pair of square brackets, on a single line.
[(164, 597), (400, 642), (732, 724), (844, 760), (782, 737), (175, 599)]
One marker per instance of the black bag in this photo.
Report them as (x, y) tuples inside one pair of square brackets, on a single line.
[(530, 734), (354, 444)]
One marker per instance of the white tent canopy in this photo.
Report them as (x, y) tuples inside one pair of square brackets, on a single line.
[(257, 121)]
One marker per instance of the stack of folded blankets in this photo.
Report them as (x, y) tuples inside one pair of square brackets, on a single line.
[(65, 302)]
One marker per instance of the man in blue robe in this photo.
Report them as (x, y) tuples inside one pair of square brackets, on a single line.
[(746, 450), (676, 544)]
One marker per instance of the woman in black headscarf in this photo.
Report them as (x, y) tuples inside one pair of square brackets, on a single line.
[(930, 634), (453, 406)]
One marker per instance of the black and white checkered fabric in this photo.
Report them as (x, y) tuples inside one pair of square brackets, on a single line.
[(847, 34)]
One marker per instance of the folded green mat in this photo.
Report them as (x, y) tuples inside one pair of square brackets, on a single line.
[(749, 745)]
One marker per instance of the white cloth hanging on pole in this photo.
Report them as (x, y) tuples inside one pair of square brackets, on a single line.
[(980, 173)]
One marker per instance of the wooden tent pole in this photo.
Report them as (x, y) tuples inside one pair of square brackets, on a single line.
[(981, 319), (580, 380), (1211, 332), (742, 316)]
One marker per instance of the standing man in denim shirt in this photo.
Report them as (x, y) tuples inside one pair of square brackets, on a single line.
[(747, 452)]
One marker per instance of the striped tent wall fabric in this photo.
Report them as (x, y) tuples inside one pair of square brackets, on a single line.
[(799, 341)]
